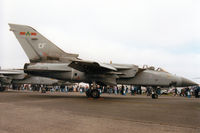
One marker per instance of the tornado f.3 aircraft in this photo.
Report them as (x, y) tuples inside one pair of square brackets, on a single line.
[(47, 60)]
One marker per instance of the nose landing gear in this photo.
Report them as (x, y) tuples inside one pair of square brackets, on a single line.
[(154, 94)]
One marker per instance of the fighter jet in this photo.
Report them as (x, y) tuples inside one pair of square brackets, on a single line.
[(17, 76), (47, 60)]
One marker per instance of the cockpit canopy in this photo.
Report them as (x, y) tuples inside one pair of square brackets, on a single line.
[(153, 68)]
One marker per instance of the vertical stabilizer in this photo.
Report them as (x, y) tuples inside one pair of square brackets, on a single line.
[(36, 46)]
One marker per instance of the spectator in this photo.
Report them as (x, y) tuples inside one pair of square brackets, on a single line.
[(158, 91), (124, 90), (197, 91), (115, 90), (132, 90), (110, 90), (188, 93), (175, 92), (135, 89), (148, 91), (139, 90), (182, 92), (62, 87)]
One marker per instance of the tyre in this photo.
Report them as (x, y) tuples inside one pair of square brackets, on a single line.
[(154, 96), (95, 93)]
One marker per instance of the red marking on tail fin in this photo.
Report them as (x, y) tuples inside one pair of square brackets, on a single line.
[(33, 34), (22, 33)]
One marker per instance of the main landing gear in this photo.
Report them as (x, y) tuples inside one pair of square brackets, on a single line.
[(93, 92)]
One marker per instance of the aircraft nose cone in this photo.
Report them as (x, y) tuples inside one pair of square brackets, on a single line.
[(187, 82)]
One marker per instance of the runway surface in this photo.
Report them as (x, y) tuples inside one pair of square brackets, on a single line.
[(31, 112)]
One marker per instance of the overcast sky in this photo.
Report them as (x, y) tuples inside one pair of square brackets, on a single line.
[(162, 33)]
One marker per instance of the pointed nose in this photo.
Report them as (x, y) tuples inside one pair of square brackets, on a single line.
[(187, 82)]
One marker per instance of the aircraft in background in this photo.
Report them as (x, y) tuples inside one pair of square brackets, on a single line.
[(47, 60), (17, 76)]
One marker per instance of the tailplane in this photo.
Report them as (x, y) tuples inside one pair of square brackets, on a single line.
[(36, 46)]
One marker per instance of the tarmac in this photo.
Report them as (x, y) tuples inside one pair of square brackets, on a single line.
[(31, 112)]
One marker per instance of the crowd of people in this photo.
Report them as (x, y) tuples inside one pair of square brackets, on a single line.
[(120, 89), (188, 92)]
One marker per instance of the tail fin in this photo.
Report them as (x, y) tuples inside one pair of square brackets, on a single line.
[(36, 46)]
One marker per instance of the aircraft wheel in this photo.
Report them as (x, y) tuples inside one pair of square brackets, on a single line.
[(2, 89), (95, 93), (88, 93), (154, 96)]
